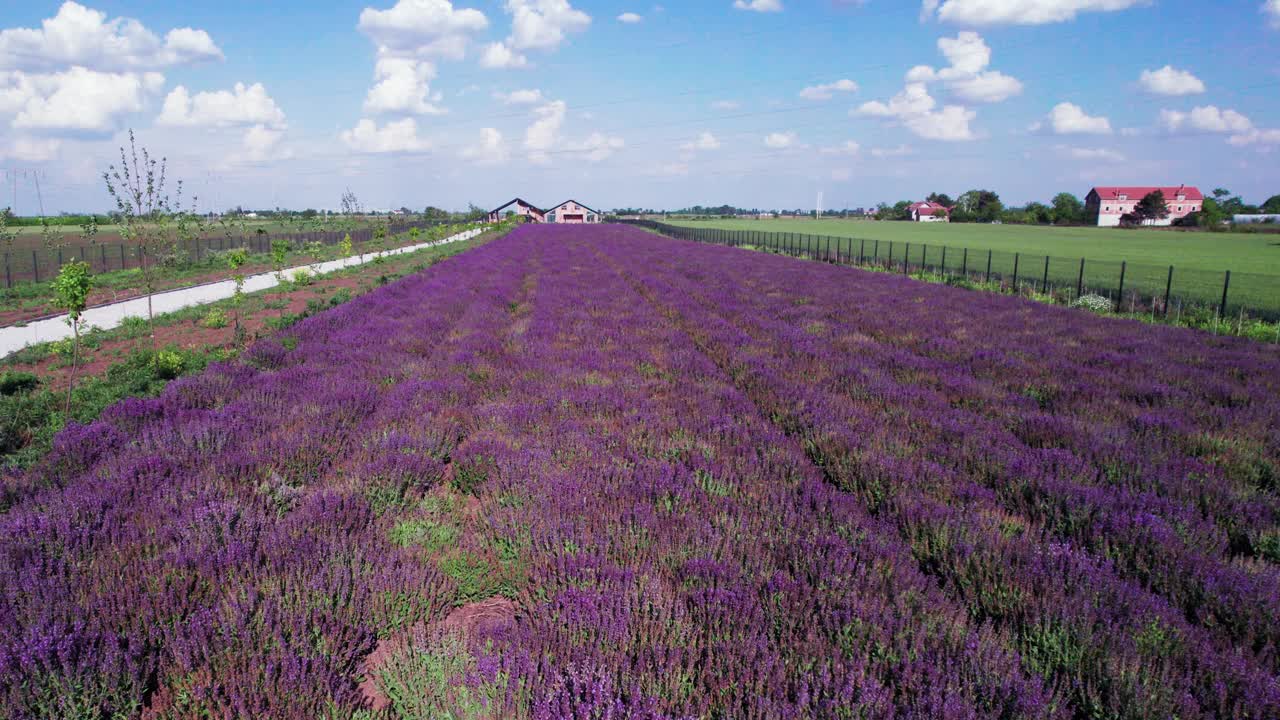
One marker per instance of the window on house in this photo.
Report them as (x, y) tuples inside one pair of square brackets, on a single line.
[(1124, 197), (1179, 208)]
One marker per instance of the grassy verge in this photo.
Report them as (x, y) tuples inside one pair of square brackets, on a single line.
[(1200, 259), (27, 300), (124, 362)]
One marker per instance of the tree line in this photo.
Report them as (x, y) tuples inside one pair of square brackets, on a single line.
[(984, 206)]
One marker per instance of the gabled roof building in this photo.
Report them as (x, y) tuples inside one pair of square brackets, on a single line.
[(1106, 205), (570, 212)]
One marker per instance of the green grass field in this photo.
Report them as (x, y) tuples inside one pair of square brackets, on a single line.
[(1199, 259)]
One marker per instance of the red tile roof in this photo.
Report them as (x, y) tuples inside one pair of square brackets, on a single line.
[(1137, 193), (928, 208)]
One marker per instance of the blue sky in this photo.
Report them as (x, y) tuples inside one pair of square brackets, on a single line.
[(756, 103)]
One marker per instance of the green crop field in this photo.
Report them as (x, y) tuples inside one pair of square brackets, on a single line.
[(1199, 259)]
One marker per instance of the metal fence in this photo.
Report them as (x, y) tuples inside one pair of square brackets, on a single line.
[(42, 264), (1131, 287)]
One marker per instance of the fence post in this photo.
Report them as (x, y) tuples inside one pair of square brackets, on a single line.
[(964, 264), (890, 261), (1226, 283), (1168, 288), (862, 251), (1080, 279), (924, 257), (906, 259), (1120, 295), (1015, 273), (988, 266), (944, 261), (1044, 282)]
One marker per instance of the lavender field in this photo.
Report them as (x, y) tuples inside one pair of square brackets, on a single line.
[(593, 473)]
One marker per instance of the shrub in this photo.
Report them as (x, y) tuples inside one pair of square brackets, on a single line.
[(215, 318), (169, 364), (1096, 303), (13, 382)]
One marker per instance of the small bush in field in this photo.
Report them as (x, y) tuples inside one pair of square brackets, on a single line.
[(215, 319)]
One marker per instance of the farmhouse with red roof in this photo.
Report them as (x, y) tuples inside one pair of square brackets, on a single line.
[(1106, 205), (929, 212)]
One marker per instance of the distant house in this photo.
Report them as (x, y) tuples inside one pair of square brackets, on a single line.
[(929, 212), (570, 212), (518, 207), (1106, 205)]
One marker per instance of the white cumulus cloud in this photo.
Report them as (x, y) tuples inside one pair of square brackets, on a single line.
[(429, 28), (1018, 12), (1208, 118), (1070, 119), (629, 18), (498, 56), (543, 24), (914, 108), (83, 37), (968, 77), (78, 100), (242, 105), (402, 85), (827, 91), (1168, 80), (400, 136)]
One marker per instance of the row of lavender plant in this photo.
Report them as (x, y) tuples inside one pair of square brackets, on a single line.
[(684, 558), (1061, 488), (868, 429), (218, 551)]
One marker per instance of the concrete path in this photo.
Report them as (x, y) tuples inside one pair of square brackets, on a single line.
[(107, 317)]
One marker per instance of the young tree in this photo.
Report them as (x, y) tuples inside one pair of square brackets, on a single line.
[(146, 212), (71, 293), (940, 198), (7, 236), (1151, 207), (236, 258)]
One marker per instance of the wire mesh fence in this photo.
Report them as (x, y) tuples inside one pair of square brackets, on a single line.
[(41, 264), (1129, 287)]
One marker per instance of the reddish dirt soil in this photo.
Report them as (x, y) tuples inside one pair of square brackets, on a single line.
[(477, 616), (190, 334)]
